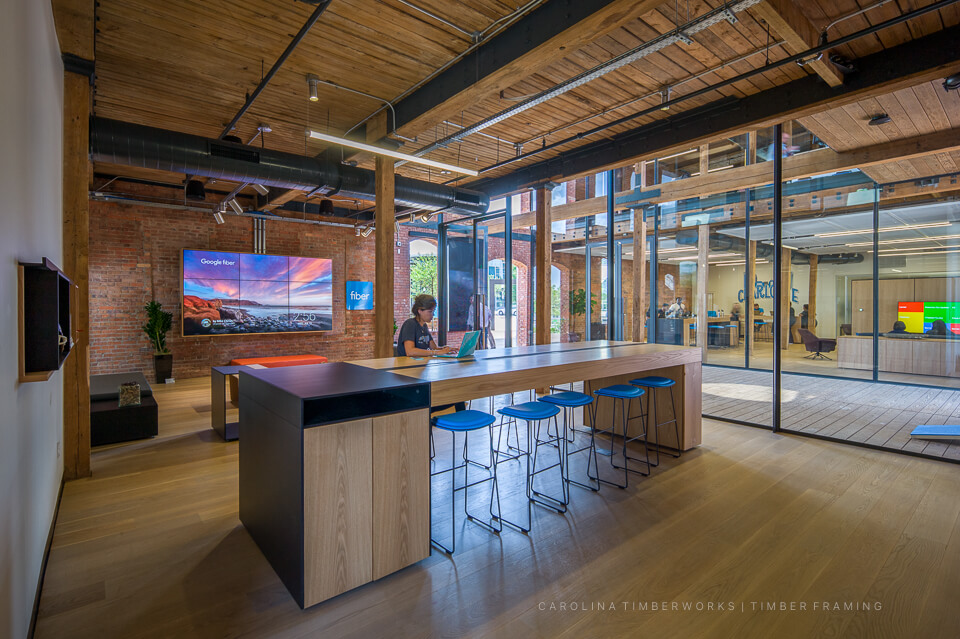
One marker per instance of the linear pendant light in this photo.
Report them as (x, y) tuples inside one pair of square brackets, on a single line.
[(332, 139)]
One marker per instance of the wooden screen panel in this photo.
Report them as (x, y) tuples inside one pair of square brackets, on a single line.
[(930, 289), (861, 298), (401, 491), (891, 293), (337, 510)]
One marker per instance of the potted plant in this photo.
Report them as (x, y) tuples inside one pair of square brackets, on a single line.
[(578, 306), (158, 323)]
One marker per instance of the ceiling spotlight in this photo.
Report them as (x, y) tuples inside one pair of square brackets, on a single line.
[(218, 216), (664, 98), (365, 232), (261, 189), (879, 119), (312, 85), (444, 172), (425, 217), (235, 206), (195, 191), (952, 82), (326, 207), (350, 162)]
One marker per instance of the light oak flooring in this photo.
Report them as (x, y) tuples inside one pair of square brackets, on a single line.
[(856, 411), (151, 546)]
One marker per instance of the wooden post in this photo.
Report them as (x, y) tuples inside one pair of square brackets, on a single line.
[(748, 294), (751, 147), (703, 266), (544, 290), (812, 295), (639, 333), (385, 228), (75, 31), (786, 302), (704, 159)]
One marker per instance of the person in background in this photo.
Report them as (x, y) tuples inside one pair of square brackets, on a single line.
[(793, 320), (735, 313), (486, 321), (676, 309), (756, 309), (939, 327), (803, 315), (662, 313), (899, 327)]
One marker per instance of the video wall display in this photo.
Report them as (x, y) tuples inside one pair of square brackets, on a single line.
[(920, 316), (248, 293)]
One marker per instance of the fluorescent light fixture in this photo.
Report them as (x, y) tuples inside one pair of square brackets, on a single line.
[(694, 257), (953, 250), (360, 146), (261, 189), (235, 206), (908, 240), (792, 248), (721, 168), (218, 216), (909, 227)]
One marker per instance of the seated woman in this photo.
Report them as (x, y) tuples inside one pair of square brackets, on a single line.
[(414, 339), (939, 327)]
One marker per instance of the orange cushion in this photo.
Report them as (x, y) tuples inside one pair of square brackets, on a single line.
[(283, 360)]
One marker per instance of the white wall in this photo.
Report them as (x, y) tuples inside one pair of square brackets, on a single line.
[(31, 101)]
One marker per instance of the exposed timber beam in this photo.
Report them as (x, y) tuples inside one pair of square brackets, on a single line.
[(547, 34), (753, 175), (799, 34), (921, 60)]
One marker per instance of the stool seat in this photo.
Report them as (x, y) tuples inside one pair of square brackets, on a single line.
[(653, 381), (464, 420), (531, 411), (620, 391), (568, 398)]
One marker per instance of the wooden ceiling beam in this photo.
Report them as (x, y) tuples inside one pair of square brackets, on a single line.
[(755, 175), (787, 21), (548, 34), (906, 65)]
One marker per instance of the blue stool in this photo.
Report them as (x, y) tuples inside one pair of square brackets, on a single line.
[(625, 393), (465, 421), (568, 401), (533, 413), (653, 382)]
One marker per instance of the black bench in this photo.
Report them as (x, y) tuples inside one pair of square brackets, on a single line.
[(109, 423)]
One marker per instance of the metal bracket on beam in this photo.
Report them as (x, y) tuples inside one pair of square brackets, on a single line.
[(81, 66)]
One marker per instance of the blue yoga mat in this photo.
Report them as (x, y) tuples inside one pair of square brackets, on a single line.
[(936, 432)]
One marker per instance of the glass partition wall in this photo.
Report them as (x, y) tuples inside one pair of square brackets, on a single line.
[(828, 312)]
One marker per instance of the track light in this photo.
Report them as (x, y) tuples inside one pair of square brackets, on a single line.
[(235, 206), (312, 86), (261, 189), (365, 232), (360, 146), (195, 191), (664, 98), (952, 82), (218, 216), (425, 217)]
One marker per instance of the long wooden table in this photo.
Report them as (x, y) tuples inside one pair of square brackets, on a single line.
[(596, 363), (334, 461)]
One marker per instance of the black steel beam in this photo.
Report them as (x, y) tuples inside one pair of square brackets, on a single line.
[(529, 32), (908, 59)]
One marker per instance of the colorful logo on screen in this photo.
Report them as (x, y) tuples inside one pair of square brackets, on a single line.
[(359, 296), (920, 316)]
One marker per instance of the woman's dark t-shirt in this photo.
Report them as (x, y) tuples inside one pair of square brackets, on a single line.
[(414, 332)]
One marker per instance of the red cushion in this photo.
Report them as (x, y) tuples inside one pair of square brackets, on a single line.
[(283, 360)]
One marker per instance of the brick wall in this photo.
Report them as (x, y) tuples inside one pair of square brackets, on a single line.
[(135, 254)]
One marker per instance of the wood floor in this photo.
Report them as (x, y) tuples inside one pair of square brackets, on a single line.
[(878, 414), (151, 546)]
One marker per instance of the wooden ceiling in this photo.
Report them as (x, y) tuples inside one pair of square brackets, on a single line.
[(187, 66), (919, 110)]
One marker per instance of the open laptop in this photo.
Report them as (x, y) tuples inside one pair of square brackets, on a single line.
[(467, 346)]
